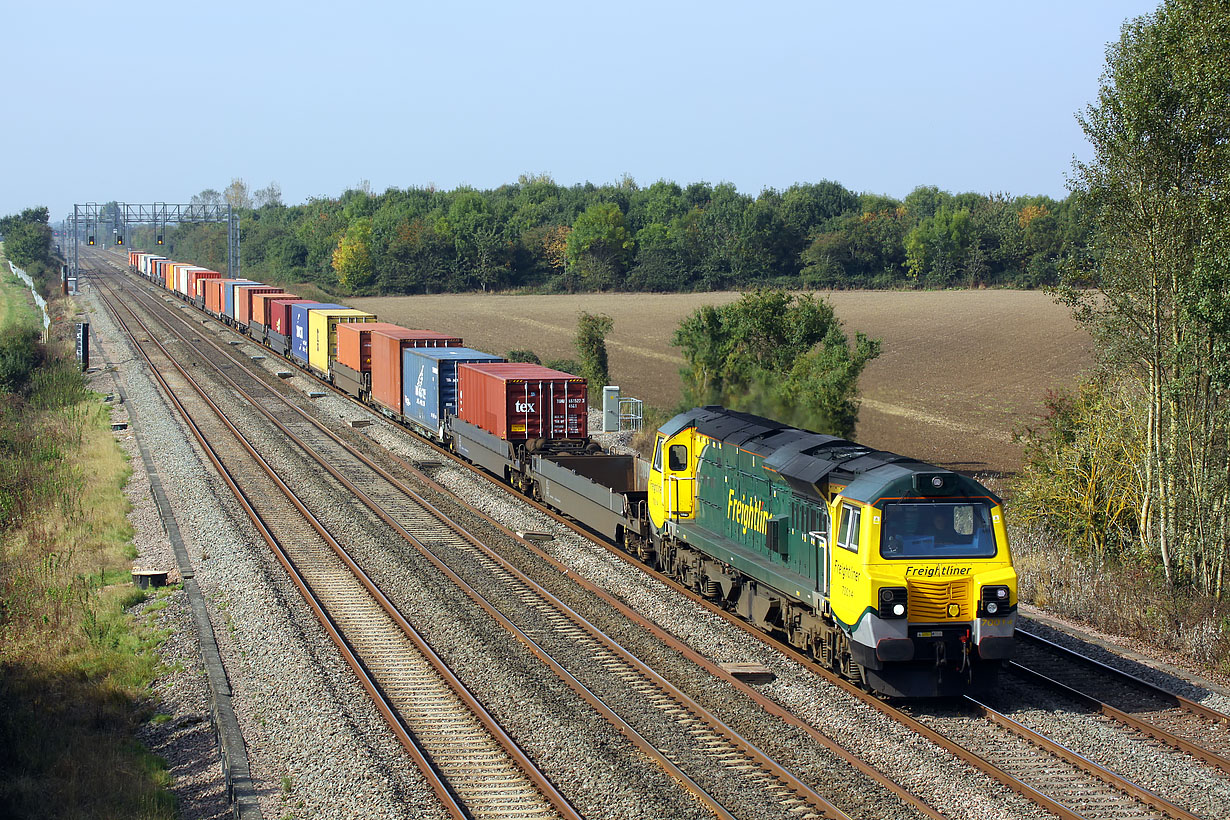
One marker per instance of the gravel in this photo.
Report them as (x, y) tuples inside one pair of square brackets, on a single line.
[(317, 746)]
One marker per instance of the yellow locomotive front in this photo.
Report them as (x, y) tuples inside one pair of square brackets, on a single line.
[(925, 589)]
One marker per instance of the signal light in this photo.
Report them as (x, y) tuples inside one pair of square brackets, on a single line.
[(91, 240), (119, 240), (160, 239)]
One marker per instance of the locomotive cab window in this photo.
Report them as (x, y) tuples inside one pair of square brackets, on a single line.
[(657, 455), (937, 530), (847, 532), (677, 457)]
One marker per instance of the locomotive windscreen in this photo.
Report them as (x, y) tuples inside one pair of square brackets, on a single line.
[(937, 530)]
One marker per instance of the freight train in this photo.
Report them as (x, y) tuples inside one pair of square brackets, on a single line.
[(895, 573)]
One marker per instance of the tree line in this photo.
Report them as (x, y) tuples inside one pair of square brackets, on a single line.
[(537, 234)]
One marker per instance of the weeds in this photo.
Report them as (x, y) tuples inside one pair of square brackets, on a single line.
[(74, 666), (1120, 599)]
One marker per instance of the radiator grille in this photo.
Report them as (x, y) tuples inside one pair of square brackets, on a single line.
[(928, 601)]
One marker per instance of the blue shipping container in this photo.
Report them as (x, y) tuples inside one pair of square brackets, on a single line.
[(429, 382), (228, 301), (299, 321)]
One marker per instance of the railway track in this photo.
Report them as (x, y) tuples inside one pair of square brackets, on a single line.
[(475, 769), (682, 733), (1169, 718), (1042, 770), (1025, 761)]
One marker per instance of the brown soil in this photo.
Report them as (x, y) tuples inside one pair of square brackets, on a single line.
[(959, 370)]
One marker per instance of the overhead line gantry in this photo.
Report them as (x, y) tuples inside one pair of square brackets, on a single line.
[(88, 218)]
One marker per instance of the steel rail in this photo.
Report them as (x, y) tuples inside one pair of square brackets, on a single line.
[(1175, 699), (763, 760), (1143, 726), (444, 790)]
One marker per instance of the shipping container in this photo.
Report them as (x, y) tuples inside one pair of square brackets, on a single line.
[(322, 334), (516, 401), (157, 271), (429, 382), (299, 326), (244, 299), (168, 274), (228, 305), (278, 317), (183, 275), (354, 342), (260, 306), (145, 263), (387, 343), (215, 294), (194, 281)]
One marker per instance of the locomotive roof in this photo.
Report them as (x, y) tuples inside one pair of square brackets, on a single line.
[(809, 461)]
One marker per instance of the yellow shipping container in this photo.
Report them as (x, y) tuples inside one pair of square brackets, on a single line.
[(168, 278), (322, 334)]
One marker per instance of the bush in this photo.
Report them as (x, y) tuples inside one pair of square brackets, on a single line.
[(21, 353)]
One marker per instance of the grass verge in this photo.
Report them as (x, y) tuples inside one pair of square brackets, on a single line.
[(75, 668)]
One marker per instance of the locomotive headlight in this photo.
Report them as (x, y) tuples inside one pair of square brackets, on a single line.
[(892, 602), (994, 600)]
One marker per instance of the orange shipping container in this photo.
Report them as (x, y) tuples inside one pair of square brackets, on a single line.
[(354, 342), (214, 294), (387, 343)]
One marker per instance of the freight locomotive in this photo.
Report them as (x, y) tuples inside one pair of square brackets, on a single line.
[(895, 573)]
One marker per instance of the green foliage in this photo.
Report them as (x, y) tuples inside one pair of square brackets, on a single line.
[(1153, 201), (661, 238), (600, 245), (27, 238), (564, 365), (352, 261), (21, 353), (528, 356), (781, 355), (1079, 481), (592, 330)]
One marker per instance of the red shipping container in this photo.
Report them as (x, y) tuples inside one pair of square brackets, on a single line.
[(278, 313), (518, 401), (195, 277), (387, 343), (260, 305), (243, 301)]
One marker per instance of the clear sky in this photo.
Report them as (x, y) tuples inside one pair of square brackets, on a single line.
[(155, 101)]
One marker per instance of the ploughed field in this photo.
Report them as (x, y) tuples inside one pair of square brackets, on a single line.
[(958, 372)]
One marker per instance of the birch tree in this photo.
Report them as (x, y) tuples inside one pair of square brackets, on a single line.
[(1155, 193)]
